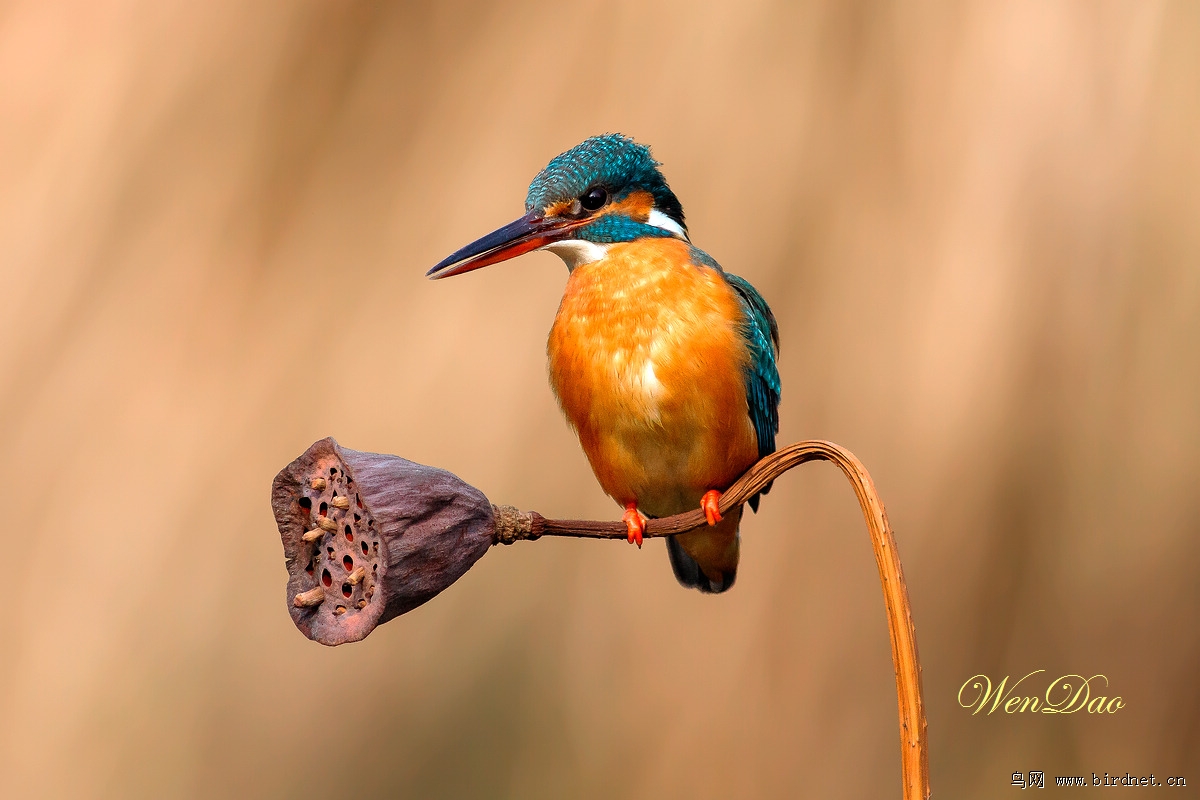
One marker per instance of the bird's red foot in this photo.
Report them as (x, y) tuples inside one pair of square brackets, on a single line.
[(711, 503), (636, 524)]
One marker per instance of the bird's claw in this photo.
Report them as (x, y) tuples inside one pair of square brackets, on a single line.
[(636, 523), (711, 504)]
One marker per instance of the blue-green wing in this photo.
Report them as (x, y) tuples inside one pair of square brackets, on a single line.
[(762, 375)]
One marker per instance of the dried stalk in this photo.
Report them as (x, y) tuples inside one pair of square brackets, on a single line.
[(514, 525)]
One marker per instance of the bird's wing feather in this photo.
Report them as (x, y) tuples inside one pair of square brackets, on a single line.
[(761, 333)]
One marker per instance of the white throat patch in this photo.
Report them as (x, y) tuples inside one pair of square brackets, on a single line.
[(576, 252)]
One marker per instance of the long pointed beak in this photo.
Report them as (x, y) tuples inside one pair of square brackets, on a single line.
[(524, 235)]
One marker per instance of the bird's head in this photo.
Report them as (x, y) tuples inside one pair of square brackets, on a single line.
[(605, 190)]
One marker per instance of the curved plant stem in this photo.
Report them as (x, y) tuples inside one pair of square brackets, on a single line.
[(513, 525)]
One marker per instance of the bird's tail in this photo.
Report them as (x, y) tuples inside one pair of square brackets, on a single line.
[(707, 558)]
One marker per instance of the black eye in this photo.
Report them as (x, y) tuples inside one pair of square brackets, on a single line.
[(594, 198)]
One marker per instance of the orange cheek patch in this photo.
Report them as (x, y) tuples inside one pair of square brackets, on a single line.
[(637, 205)]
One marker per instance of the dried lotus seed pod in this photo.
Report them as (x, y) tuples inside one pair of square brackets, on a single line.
[(367, 537)]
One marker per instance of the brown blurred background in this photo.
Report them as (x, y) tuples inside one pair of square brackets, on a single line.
[(977, 225)]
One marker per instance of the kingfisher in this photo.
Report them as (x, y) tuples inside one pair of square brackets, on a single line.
[(663, 363)]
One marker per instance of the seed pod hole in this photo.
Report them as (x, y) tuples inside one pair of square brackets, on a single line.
[(311, 567), (323, 509), (326, 578), (306, 504), (347, 590), (364, 547), (348, 563), (349, 534)]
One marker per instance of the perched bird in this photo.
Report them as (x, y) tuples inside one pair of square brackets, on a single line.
[(663, 363)]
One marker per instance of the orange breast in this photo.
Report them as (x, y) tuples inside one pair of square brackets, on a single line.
[(647, 363)]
